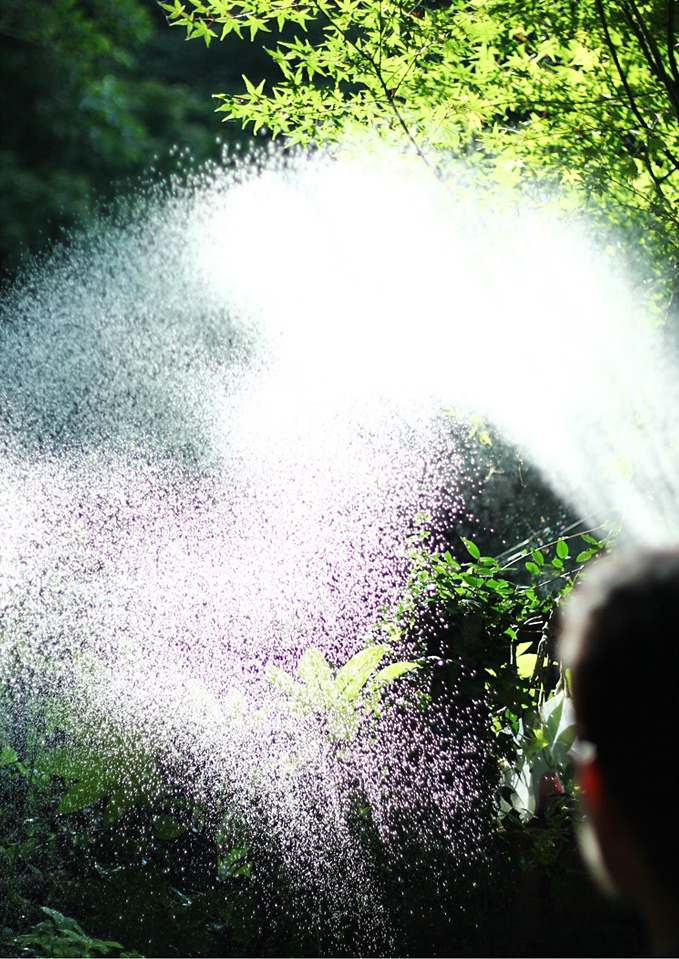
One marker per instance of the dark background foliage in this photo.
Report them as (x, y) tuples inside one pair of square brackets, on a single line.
[(95, 95)]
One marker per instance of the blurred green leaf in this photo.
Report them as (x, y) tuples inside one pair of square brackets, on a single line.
[(472, 548), (562, 549)]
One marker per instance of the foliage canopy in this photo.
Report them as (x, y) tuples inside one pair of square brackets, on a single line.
[(583, 96)]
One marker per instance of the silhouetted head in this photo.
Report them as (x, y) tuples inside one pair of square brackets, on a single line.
[(621, 641)]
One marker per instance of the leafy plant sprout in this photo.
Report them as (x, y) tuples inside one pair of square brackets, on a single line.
[(344, 699)]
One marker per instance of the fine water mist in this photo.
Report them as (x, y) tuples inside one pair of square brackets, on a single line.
[(219, 421)]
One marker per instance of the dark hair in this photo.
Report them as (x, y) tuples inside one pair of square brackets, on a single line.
[(621, 640)]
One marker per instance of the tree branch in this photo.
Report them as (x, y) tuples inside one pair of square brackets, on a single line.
[(651, 52), (364, 55), (629, 94), (670, 40)]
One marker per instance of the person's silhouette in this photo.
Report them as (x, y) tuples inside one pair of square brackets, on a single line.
[(620, 638)]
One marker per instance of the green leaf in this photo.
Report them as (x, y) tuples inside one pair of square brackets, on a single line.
[(120, 802), (525, 664), (255, 91), (82, 794), (388, 674), (314, 669), (471, 548), (63, 922), (284, 682), (355, 673), (71, 935), (8, 756), (591, 540), (166, 827), (471, 580), (234, 863), (501, 586), (533, 568), (67, 762), (562, 549)]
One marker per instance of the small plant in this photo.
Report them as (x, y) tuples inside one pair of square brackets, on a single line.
[(58, 935), (492, 619), (103, 769), (343, 698), (543, 769)]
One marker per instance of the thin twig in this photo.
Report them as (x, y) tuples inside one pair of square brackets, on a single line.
[(364, 55)]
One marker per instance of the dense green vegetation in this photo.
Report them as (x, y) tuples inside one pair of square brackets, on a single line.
[(581, 98)]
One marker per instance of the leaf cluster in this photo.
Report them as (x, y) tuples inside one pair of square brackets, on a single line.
[(544, 739), (59, 935), (494, 621), (580, 97), (93, 827), (342, 698)]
